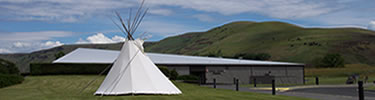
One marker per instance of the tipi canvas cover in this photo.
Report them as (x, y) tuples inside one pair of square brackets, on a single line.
[(134, 73)]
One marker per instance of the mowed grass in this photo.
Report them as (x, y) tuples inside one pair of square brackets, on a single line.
[(349, 69), (332, 76), (370, 88), (67, 87)]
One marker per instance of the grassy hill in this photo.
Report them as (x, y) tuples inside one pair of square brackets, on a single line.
[(68, 87), (283, 41)]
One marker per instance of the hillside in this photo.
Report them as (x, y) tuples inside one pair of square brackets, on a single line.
[(283, 41)]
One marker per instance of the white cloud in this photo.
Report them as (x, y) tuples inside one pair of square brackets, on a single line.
[(371, 25), (52, 44), (118, 39), (204, 17), (21, 44), (100, 38), (287, 9), (33, 36), (164, 12), (73, 10), (29, 46), (60, 10), (2, 50)]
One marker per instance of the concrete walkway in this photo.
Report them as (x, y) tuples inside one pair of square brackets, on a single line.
[(321, 92)]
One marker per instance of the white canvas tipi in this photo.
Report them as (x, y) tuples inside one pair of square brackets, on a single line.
[(133, 72)]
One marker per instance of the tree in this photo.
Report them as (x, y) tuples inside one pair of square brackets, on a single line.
[(59, 54), (258, 56), (174, 74), (262, 56), (7, 67), (165, 71), (215, 54), (332, 60)]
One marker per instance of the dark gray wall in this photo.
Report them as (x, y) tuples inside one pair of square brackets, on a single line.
[(225, 74)]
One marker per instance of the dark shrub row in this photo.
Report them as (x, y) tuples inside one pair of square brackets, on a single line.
[(7, 80), (171, 74), (187, 77), (61, 69)]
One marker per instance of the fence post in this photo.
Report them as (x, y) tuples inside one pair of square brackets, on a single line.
[(237, 85), (273, 87), (200, 81), (234, 80), (214, 82), (360, 90), (317, 80), (255, 82)]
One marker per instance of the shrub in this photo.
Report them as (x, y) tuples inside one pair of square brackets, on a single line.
[(332, 60), (258, 56), (262, 56), (187, 77), (215, 54), (174, 74), (165, 71), (7, 80), (59, 54), (9, 74)]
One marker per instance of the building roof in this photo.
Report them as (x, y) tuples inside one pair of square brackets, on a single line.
[(85, 55)]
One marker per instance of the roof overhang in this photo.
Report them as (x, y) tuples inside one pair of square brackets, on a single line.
[(100, 56)]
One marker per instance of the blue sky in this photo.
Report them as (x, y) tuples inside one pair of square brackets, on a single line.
[(30, 25)]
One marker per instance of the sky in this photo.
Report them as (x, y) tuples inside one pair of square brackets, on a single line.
[(31, 25)]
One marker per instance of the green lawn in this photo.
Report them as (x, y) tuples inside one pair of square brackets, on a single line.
[(68, 87), (349, 69), (371, 88)]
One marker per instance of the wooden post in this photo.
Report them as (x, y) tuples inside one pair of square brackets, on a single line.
[(255, 82), (237, 85), (360, 90), (200, 81), (317, 80), (273, 87), (214, 82)]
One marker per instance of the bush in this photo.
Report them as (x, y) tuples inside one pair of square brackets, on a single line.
[(7, 80), (258, 56), (262, 56), (59, 54), (165, 71), (61, 69), (332, 60), (174, 74), (9, 74), (187, 77), (214, 54)]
